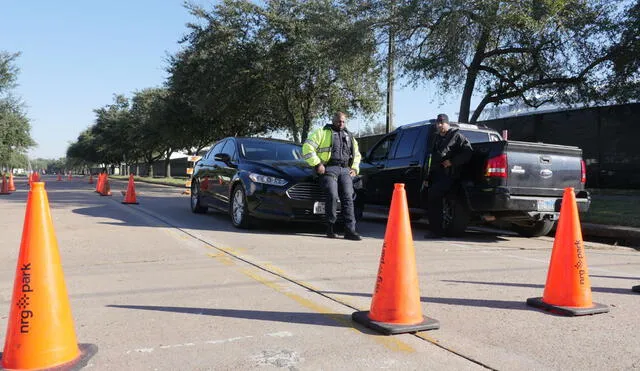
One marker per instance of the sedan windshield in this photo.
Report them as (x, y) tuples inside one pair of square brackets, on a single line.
[(256, 150)]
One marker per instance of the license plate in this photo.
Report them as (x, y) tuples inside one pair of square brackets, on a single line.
[(546, 205), (318, 207)]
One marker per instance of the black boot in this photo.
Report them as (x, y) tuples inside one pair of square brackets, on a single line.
[(352, 235), (330, 232)]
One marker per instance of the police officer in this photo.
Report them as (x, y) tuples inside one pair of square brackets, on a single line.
[(333, 152), (450, 149)]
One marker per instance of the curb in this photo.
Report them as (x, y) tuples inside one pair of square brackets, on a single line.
[(627, 236)]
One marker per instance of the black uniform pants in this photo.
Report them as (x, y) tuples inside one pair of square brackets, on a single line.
[(439, 187), (337, 183)]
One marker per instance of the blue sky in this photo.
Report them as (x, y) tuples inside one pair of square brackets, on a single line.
[(77, 54)]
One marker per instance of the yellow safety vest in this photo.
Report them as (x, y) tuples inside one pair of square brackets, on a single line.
[(317, 148)]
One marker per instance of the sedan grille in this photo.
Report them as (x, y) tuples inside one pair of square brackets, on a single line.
[(306, 191)]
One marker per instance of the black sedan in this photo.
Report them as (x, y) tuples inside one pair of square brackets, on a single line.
[(257, 178)]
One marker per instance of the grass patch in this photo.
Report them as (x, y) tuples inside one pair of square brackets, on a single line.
[(614, 192), (614, 207), (174, 181)]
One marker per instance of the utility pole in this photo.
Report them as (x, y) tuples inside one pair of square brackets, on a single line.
[(390, 69)]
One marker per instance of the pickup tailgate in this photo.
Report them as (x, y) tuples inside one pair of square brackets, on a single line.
[(533, 169)]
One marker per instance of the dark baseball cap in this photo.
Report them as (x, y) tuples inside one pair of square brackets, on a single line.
[(442, 118)]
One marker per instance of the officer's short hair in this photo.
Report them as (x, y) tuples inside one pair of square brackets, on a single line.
[(337, 115)]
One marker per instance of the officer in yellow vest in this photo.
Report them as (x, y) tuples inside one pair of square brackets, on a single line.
[(333, 152)]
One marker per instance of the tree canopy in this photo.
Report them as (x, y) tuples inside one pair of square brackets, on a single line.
[(15, 137), (533, 52), (254, 68)]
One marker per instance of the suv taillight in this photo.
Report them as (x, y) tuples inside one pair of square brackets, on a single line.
[(583, 172), (497, 166)]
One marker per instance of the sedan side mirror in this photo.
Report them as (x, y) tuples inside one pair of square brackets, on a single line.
[(223, 157)]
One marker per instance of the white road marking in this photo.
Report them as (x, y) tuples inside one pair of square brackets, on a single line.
[(280, 334)]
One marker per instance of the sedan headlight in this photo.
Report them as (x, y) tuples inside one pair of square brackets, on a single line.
[(265, 179)]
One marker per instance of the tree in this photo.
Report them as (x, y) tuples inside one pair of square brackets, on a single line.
[(530, 51), (250, 69), (214, 79), (111, 135), (84, 150), (145, 130), (320, 60), (15, 137), (625, 80)]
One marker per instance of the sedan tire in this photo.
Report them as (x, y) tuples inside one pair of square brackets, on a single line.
[(238, 208), (196, 202)]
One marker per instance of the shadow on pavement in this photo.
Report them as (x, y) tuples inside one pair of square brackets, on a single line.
[(487, 303), (619, 277), (609, 290), (321, 319)]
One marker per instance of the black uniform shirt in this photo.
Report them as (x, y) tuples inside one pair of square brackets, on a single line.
[(340, 148)]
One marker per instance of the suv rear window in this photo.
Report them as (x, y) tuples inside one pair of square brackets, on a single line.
[(479, 136)]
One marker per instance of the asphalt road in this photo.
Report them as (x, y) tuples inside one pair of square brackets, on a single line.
[(156, 287)]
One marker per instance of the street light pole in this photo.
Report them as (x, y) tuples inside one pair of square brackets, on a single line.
[(390, 68)]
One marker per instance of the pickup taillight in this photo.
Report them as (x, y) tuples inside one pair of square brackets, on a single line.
[(497, 166), (583, 172)]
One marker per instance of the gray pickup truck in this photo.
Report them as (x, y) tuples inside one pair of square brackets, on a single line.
[(508, 183)]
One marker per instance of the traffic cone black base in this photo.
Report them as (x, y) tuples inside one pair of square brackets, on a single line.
[(636, 288), (131, 203), (86, 352), (567, 311), (393, 329)]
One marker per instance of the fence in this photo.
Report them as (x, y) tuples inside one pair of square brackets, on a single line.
[(607, 135)]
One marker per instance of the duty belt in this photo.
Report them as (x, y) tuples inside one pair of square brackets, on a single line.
[(337, 163)]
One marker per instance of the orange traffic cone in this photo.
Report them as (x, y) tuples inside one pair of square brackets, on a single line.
[(59, 178), (130, 196), (396, 307), (40, 331), (35, 177), (12, 186), (636, 288), (568, 288), (106, 188), (90, 178), (70, 177), (99, 182), (4, 189)]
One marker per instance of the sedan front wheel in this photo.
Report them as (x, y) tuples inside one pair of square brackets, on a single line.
[(238, 208)]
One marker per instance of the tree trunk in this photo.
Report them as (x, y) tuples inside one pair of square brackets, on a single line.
[(472, 76), (150, 164), (167, 168), (306, 125)]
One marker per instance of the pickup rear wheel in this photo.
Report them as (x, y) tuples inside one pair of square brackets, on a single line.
[(455, 216), (535, 229)]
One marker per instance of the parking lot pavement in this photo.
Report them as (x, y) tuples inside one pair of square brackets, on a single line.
[(153, 297), (156, 287)]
